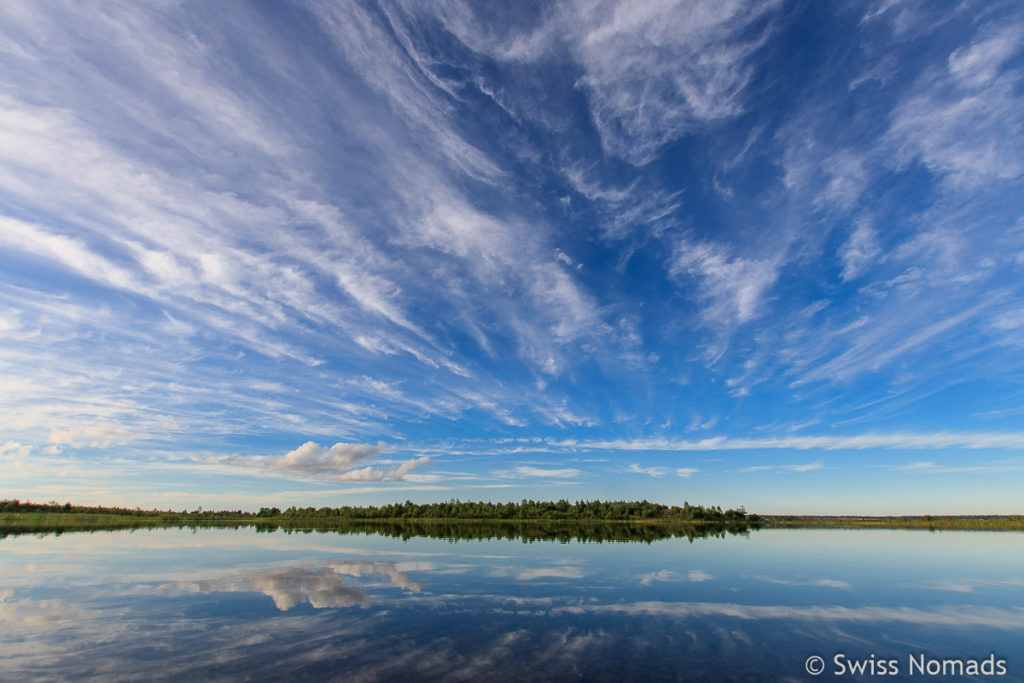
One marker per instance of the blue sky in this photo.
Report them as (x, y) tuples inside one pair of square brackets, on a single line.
[(319, 253)]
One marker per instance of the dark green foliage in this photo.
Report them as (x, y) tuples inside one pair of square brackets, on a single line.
[(525, 510), (19, 517), (37, 519)]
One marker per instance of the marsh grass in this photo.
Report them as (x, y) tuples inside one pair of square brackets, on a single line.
[(933, 522)]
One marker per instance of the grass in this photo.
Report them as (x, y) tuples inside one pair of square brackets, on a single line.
[(934, 522), (48, 522)]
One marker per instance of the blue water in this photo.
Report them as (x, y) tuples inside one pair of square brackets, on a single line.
[(226, 604)]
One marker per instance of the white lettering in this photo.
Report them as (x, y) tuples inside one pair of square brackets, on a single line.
[(919, 664)]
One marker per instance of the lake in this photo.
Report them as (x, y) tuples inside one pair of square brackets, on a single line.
[(238, 604)]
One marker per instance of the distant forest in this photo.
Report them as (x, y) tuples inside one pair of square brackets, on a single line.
[(580, 510)]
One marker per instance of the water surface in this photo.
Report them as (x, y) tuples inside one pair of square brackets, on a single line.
[(237, 604)]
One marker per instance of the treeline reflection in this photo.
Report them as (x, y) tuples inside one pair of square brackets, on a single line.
[(525, 531), (451, 530)]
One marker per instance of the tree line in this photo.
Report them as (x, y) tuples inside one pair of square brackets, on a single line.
[(562, 510), (580, 510)]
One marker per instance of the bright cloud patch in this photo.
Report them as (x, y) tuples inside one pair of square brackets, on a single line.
[(15, 449), (558, 473), (94, 437), (339, 462), (312, 458)]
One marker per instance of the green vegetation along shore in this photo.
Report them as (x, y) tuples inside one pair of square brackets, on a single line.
[(528, 520), (934, 522)]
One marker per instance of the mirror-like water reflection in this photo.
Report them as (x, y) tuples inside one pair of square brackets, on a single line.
[(230, 604), (463, 530)]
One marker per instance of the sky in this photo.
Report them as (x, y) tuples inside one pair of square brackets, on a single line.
[(341, 253)]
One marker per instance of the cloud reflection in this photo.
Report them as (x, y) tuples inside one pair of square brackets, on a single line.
[(28, 613), (533, 573), (951, 616), (826, 583), (669, 576), (320, 586)]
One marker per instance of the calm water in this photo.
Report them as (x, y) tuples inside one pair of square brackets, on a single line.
[(225, 604)]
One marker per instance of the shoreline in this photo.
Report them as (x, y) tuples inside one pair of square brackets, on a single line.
[(936, 522), (70, 521)]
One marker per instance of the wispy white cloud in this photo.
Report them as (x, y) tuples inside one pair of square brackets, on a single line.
[(649, 471), (882, 343), (732, 287), (651, 71), (967, 440), (556, 473), (285, 272), (1010, 320), (103, 436), (806, 467), (846, 178), (626, 211), (965, 123), (929, 467), (859, 251), (656, 71)]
